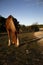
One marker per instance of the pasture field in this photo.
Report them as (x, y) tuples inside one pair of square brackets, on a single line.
[(29, 53)]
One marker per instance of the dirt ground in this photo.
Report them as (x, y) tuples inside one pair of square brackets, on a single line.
[(39, 34)]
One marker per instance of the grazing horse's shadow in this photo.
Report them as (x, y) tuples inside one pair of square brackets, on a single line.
[(12, 30)]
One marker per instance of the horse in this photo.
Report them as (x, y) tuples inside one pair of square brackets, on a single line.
[(12, 30)]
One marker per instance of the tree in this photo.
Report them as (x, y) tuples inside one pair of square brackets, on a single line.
[(34, 27), (2, 24)]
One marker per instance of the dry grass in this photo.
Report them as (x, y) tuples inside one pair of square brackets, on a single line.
[(39, 42), (28, 54), (40, 33)]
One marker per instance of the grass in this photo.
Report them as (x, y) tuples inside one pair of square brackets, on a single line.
[(27, 54)]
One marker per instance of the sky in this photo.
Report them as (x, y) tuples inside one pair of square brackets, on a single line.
[(27, 12)]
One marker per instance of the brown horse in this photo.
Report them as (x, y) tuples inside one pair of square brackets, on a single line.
[(12, 30)]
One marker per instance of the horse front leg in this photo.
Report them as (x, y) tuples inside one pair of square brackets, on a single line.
[(9, 42)]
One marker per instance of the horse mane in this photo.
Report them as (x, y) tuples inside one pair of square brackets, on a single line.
[(2, 22)]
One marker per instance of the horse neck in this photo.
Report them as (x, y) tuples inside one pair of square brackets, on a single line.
[(12, 25)]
